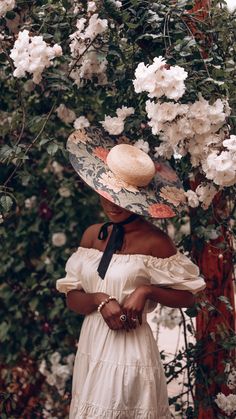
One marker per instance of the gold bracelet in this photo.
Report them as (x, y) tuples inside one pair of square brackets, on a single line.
[(102, 304)]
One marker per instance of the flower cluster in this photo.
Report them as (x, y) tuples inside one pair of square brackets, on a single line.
[(90, 63), (198, 129), (159, 79), (203, 195), (65, 114), (115, 125), (226, 403), (81, 122), (6, 6), (31, 54), (58, 374)]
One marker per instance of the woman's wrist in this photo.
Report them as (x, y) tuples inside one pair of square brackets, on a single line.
[(104, 302), (99, 297), (145, 290)]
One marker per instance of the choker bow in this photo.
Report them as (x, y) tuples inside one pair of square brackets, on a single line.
[(114, 243)]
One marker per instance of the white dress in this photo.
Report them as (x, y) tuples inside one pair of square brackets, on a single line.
[(119, 374)]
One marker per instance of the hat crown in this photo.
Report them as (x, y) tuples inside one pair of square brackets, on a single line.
[(131, 164)]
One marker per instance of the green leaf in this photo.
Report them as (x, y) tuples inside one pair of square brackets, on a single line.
[(6, 202), (191, 312), (4, 328), (52, 149)]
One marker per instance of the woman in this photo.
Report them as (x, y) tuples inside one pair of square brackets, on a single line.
[(121, 270)]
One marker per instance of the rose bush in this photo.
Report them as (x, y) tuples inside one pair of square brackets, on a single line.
[(151, 71)]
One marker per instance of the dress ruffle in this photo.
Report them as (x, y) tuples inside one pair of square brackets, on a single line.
[(177, 271), (88, 411)]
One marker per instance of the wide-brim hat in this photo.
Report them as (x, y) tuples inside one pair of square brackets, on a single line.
[(117, 177)]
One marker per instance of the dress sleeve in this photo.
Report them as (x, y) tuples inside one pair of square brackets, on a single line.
[(177, 272), (72, 279)]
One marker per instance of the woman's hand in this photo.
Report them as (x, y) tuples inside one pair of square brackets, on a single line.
[(111, 313), (134, 304)]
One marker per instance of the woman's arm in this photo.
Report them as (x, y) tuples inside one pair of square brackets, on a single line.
[(168, 297), (77, 300), (84, 303), (135, 302)]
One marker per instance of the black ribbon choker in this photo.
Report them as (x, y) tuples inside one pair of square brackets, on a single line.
[(114, 243)]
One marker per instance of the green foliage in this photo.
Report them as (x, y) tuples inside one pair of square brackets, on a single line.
[(34, 321)]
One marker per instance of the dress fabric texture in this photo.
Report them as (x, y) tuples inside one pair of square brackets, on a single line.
[(119, 375)]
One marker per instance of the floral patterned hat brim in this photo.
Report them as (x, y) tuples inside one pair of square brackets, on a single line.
[(162, 198)]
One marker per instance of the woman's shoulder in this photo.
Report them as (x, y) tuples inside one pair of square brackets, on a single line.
[(161, 245), (90, 235)]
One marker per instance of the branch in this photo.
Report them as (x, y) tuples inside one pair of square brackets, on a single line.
[(77, 59), (18, 165)]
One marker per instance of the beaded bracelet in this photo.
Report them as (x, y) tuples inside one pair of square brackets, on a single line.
[(105, 302)]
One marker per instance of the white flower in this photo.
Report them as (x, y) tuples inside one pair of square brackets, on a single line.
[(220, 168), (124, 112), (91, 6), (30, 202), (58, 373), (64, 192), (47, 261), (226, 403), (206, 193), (6, 6), (31, 54), (95, 27), (164, 150), (81, 122), (145, 75), (117, 3), (230, 143), (55, 358), (65, 114), (58, 239), (70, 362), (142, 145), (201, 126), (114, 126), (93, 64), (1, 219), (184, 126), (43, 368), (192, 198), (205, 117), (231, 380), (51, 380), (174, 83), (199, 109), (157, 79), (57, 168)]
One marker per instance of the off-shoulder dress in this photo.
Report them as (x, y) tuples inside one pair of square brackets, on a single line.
[(119, 375)]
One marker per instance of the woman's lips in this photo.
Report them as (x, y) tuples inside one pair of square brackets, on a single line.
[(113, 212)]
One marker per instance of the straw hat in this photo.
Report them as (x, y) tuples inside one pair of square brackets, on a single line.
[(124, 174)]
